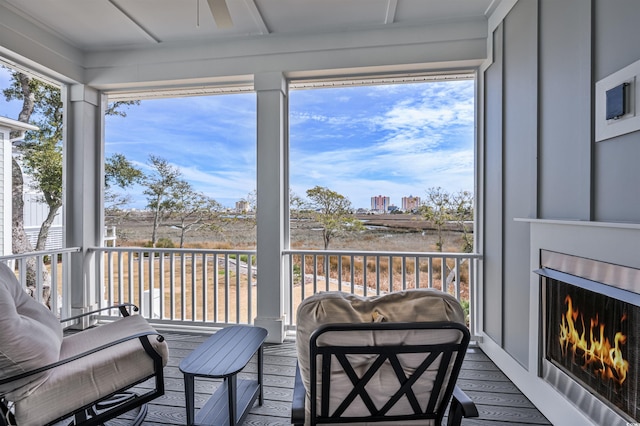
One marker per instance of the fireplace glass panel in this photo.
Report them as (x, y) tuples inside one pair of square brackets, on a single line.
[(594, 339)]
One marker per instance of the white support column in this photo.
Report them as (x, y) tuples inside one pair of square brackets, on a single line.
[(83, 176), (273, 196)]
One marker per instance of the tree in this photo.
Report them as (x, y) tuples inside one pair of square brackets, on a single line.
[(436, 209), (462, 212), (116, 108), (41, 152), (43, 162), (252, 200), (333, 212), (118, 171), (297, 205), (121, 173), (20, 241), (194, 210), (159, 186), (41, 155)]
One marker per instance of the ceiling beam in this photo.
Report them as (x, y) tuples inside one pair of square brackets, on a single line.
[(257, 17), (220, 12), (390, 17), (146, 32)]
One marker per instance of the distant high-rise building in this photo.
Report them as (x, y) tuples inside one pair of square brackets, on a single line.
[(410, 203), (242, 206), (380, 203)]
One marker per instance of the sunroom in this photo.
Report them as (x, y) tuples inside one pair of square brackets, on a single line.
[(556, 176)]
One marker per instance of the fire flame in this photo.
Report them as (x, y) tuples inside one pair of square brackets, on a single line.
[(599, 355)]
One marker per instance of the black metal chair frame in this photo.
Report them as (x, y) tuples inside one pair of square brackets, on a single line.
[(113, 405), (461, 405)]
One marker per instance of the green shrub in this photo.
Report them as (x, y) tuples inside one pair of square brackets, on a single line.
[(244, 258), (465, 308), (163, 242)]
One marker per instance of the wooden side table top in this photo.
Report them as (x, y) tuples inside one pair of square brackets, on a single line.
[(225, 353)]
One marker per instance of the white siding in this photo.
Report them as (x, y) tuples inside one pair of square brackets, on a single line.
[(35, 212)]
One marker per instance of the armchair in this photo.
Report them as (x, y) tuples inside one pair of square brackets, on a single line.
[(392, 359), (45, 377)]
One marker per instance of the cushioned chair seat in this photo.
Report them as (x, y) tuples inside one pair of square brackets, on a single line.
[(30, 336), (96, 376), (420, 317), (110, 359)]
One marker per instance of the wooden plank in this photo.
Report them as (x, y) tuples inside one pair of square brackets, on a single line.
[(511, 415), (499, 401), (483, 375), (479, 365), (487, 386), (502, 399)]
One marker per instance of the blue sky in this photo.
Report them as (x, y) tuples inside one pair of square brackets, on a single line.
[(363, 141), (210, 139), (392, 140)]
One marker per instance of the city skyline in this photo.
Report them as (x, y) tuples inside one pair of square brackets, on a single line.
[(399, 140)]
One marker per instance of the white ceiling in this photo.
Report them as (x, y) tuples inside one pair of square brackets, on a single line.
[(94, 25)]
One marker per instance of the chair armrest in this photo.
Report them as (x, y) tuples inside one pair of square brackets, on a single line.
[(82, 355), (461, 406), (122, 307), (299, 396)]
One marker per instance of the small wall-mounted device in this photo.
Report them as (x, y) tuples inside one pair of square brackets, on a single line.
[(616, 102)]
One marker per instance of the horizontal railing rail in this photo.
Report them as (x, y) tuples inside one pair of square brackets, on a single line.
[(49, 283)]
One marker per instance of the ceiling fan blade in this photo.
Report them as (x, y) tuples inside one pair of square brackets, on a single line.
[(220, 13)]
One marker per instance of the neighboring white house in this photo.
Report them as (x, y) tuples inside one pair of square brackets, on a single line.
[(35, 212), (7, 125)]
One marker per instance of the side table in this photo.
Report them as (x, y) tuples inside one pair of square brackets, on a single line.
[(223, 356)]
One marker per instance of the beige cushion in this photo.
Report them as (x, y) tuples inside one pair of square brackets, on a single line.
[(420, 305), (30, 336), (96, 376)]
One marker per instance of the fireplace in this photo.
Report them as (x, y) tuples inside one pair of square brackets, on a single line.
[(590, 342)]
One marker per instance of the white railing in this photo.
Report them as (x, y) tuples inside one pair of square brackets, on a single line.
[(200, 287), (180, 286), (50, 285), (369, 273)]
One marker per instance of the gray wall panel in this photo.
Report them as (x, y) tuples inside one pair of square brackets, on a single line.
[(616, 42), (617, 174), (565, 110), (492, 291), (519, 157)]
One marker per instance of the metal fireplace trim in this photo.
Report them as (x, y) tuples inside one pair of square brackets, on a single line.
[(595, 286), (616, 281), (617, 276), (592, 406)]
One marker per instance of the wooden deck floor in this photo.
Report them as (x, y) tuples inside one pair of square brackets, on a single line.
[(498, 400)]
